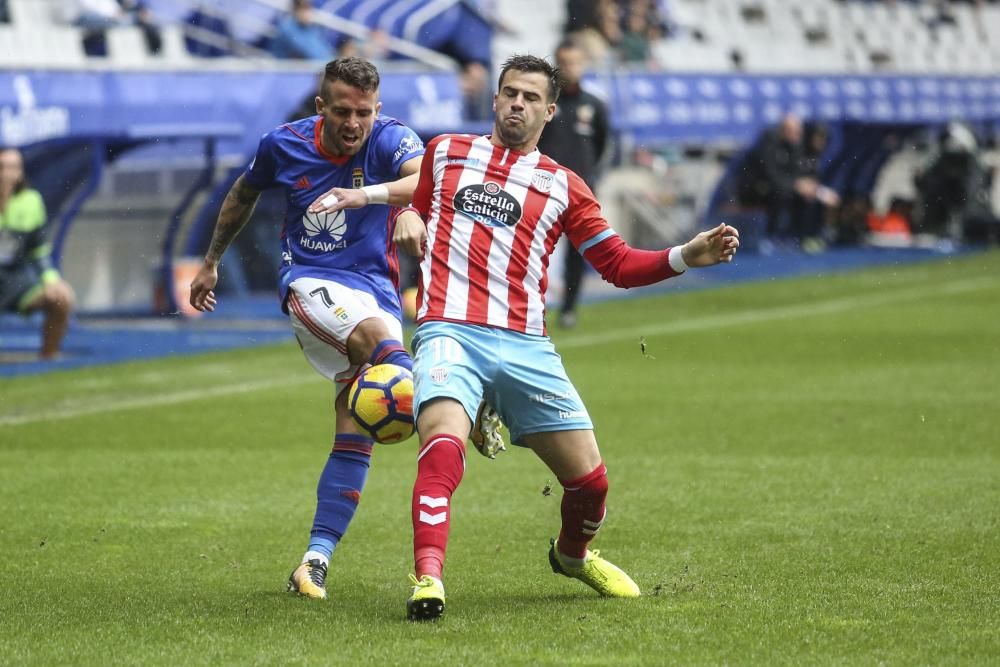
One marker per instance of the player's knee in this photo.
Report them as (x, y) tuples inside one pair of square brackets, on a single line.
[(598, 486), (69, 296), (594, 485), (366, 337), (442, 415), (65, 301), (59, 300)]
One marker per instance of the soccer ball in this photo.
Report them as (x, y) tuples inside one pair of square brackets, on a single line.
[(381, 402)]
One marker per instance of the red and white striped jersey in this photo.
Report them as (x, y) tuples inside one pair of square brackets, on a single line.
[(493, 218)]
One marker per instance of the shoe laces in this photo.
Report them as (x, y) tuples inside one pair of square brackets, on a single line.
[(491, 420), (487, 438), (422, 582), (317, 572)]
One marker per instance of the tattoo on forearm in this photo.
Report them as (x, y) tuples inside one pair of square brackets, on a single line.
[(236, 211)]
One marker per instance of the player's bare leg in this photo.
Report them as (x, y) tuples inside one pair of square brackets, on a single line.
[(573, 457), (367, 337)]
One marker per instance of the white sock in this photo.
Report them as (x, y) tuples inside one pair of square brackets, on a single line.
[(574, 563), (315, 555)]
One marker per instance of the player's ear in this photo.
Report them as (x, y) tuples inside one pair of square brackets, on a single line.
[(550, 111), (319, 104), (378, 109), (495, 95)]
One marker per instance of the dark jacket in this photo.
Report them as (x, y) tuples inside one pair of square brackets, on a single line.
[(577, 136), (769, 171)]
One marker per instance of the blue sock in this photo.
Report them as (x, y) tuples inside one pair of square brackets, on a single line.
[(391, 351), (339, 491)]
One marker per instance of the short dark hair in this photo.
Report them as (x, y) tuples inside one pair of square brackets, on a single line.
[(353, 71), (524, 63)]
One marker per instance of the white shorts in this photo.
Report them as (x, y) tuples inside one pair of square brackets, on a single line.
[(324, 314)]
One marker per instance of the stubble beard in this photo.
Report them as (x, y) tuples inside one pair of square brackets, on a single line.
[(512, 137)]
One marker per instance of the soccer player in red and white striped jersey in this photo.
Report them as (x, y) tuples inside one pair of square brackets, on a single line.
[(494, 209)]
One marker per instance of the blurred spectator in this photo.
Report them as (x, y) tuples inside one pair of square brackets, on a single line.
[(297, 37), (595, 26), (4, 12), (773, 178), (143, 17), (954, 189), (28, 280), (644, 22), (207, 34), (97, 16), (808, 215), (374, 47), (577, 137), (940, 15), (477, 96), (611, 31), (634, 43)]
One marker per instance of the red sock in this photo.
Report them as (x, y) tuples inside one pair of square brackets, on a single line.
[(582, 511), (440, 466)]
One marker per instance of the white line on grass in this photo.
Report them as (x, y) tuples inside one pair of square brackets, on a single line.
[(692, 324), (809, 309), (108, 404)]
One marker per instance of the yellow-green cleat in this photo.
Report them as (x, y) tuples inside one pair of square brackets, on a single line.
[(309, 579), (427, 601), (604, 577)]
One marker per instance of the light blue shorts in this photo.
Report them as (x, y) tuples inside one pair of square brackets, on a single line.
[(520, 375)]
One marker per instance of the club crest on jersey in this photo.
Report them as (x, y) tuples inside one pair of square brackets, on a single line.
[(489, 204), (324, 232), (358, 178), (542, 181)]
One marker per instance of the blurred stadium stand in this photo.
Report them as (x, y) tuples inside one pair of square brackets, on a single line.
[(132, 150)]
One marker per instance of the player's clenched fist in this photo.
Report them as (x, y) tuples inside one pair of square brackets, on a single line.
[(712, 246)]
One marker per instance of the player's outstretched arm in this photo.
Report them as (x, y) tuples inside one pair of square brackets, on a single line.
[(394, 193), (712, 246), (236, 211)]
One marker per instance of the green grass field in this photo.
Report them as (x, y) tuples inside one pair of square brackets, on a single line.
[(802, 472)]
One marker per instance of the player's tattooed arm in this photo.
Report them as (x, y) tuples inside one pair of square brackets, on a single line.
[(236, 211)]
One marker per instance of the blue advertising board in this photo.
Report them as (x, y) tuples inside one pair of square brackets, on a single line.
[(649, 107), (44, 105), (709, 108)]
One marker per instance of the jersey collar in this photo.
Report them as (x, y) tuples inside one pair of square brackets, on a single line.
[(338, 160)]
